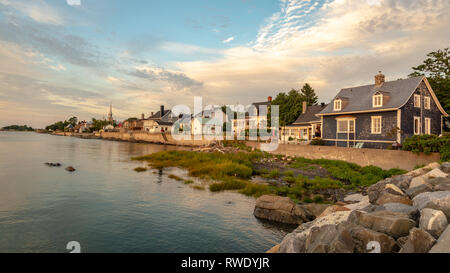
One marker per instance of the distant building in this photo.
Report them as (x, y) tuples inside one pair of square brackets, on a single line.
[(110, 115)]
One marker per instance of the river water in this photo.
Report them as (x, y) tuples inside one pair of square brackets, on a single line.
[(107, 207)]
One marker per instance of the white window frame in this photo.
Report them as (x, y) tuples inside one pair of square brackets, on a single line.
[(427, 102), (416, 100), (373, 127), (377, 100), (428, 126), (337, 105), (419, 131), (338, 129)]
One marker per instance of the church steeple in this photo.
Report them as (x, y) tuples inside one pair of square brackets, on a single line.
[(110, 115)]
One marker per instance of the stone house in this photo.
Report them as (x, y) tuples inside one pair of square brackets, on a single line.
[(382, 114)]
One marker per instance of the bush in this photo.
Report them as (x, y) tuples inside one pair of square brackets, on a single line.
[(140, 169), (429, 144), (317, 142)]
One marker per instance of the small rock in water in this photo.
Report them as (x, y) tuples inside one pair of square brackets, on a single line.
[(70, 169), (53, 164)]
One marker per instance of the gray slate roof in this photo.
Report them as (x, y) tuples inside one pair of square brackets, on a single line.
[(310, 115), (360, 97)]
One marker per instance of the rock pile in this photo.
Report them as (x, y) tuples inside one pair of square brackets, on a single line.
[(404, 214)]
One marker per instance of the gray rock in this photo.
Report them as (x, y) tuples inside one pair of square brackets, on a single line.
[(295, 242), (362, 236), (445, 167), (388, 196), (417, 181), (443, 244), (70, 169), (313, 210), (354, 198), (401, 181), (433, 221), (411, 211), (394, 224), (320, 239), (434, 174), (440, 183), (419, 241), (413, 192), (439, 200), (402, 241), (360, 205), (279, 209)]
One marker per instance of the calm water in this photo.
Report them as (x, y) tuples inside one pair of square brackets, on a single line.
[(108, 207)]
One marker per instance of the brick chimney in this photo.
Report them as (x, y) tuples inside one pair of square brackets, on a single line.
[(269, 99), (152, 114), (305, 106), (142, 116), (379, 79), (162, 111)]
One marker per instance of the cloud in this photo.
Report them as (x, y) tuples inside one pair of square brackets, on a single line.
[(177, 79), (226, 41), (38, 10)]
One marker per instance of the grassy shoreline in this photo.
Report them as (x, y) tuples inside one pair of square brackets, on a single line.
[(234, 171)]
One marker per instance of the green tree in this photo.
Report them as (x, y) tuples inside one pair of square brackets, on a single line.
[(73, 121), (308, 94), (290, 106), (437, 70)]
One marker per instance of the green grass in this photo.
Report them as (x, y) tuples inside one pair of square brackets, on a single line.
[(140, 169), (198, 187), (187, 182), (233, 171), (177, 178)]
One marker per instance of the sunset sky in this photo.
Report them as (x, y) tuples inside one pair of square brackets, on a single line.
[(60, 58)]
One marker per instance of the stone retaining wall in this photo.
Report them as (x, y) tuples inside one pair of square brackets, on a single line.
[(385, 159), (152, 138)]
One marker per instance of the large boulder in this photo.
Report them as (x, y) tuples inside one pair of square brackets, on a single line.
[(434, 174), (360, 205), (394, 224), (445, 167), (439, 200), (413, 192), (362, 236), (354, 198), (440, 183), (390, 197), (333, 209), (410, 211), (295, 242), (417, 181), (329, 239), (400, 181), (419, 241), (389, 191), (443, 244), (279, 209), (433, 221), (313, 210)]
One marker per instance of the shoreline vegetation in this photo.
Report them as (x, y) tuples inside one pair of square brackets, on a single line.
[(17, 128), (255, 173)]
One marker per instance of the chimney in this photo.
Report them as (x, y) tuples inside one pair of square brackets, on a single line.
[(142, 116), (162, 110), (269, 99), (152, 114), (305, 106), (379, 79)]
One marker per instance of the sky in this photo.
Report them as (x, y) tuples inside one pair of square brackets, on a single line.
[(63, 58)]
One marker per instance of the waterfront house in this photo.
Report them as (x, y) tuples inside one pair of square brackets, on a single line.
[(382, 114), (162, 120), (307, 126)]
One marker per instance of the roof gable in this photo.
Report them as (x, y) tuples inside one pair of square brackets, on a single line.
[(310, 114), (360, 97)]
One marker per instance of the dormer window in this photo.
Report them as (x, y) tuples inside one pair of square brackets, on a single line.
[(377, 100), (337, 105)]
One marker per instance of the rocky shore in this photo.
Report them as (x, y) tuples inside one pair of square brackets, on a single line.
[(403, 214)]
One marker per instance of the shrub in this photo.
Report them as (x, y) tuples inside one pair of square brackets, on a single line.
[(140, 169), (317, 142), (428, 144)]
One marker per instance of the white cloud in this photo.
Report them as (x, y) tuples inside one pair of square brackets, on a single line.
[(38, 10), (226, 41)]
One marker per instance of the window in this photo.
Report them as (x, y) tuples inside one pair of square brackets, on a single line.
[(417, 128), (377, 100), (337, 105), (427, 102), (417, 100), (346, 126), (428, 126), (376, 125)]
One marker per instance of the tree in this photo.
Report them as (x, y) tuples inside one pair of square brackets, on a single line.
[(437, 70), (308, 94), (290, 106), (73, 121)]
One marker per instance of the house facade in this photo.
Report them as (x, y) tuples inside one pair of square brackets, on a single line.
[(307, 126), (382, 114)]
